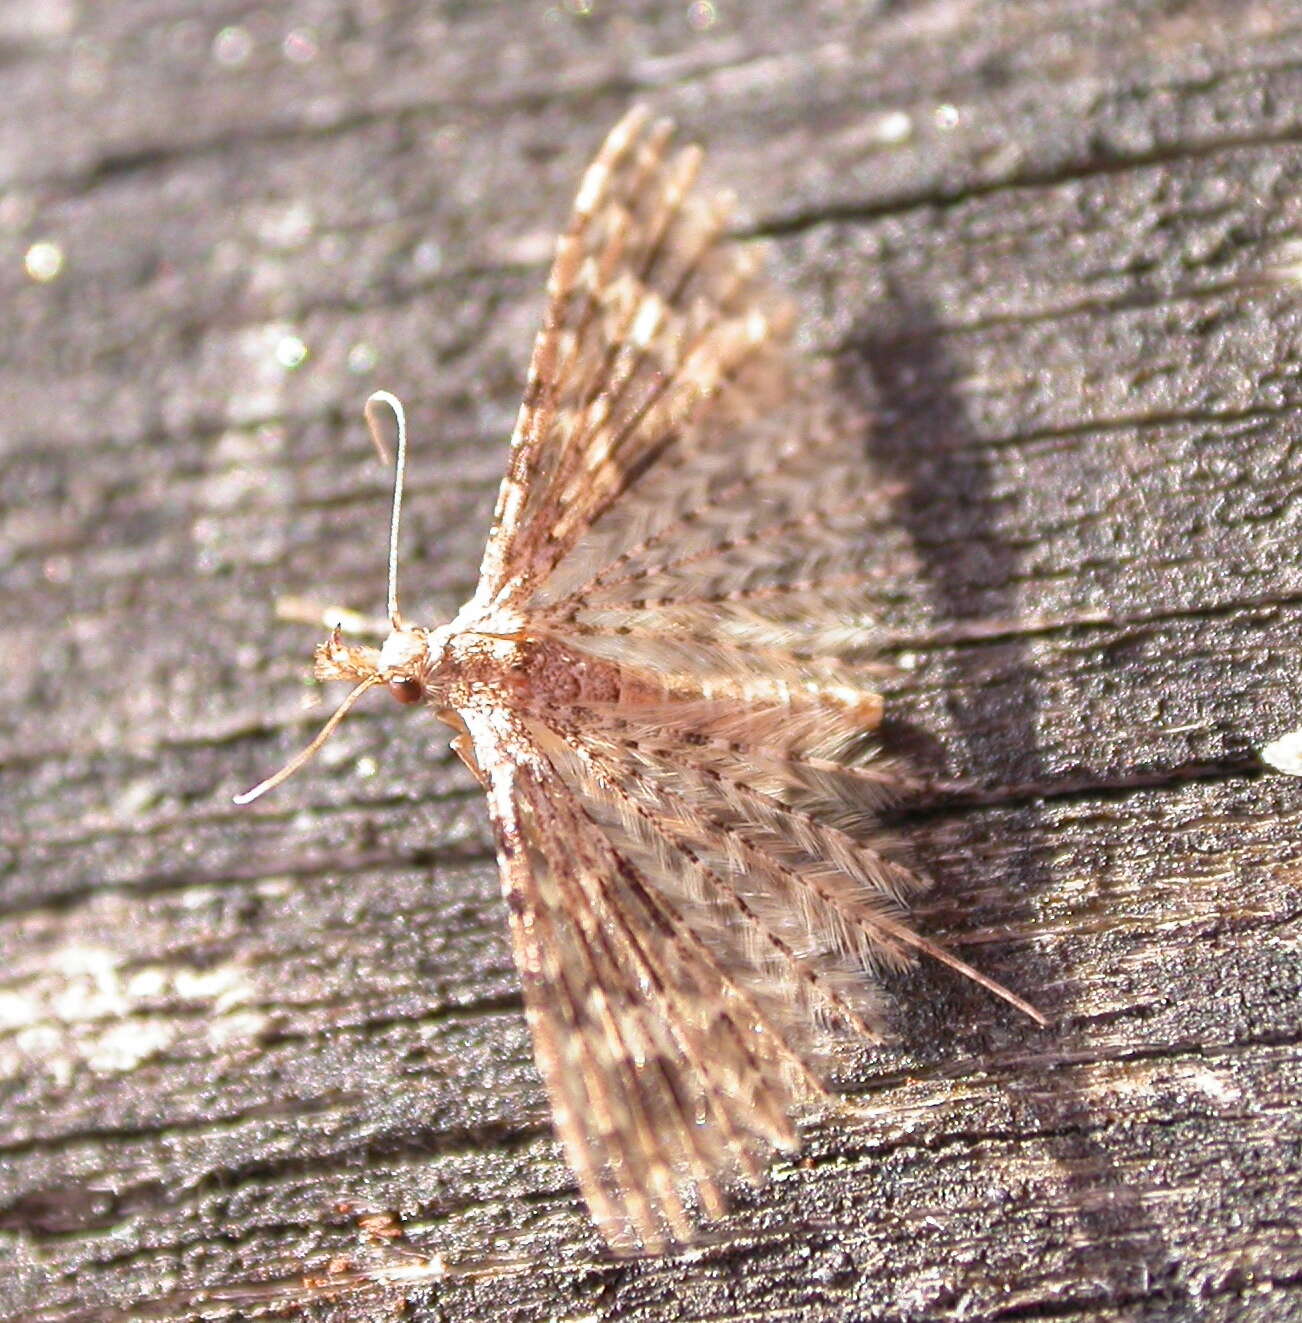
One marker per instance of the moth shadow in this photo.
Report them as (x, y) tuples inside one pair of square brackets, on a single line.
[(923, 446)]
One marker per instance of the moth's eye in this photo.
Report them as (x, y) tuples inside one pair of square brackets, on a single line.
[(406, 690)]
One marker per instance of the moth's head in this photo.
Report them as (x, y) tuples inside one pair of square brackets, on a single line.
[(400, 665)]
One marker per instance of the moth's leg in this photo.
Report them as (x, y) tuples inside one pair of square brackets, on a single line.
[(462, 745), (308, 611)]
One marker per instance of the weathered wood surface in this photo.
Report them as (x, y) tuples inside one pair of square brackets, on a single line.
[(1041, 238)]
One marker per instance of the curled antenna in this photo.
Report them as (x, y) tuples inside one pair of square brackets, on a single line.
[(400, 469), (299, 759), (399, 473)]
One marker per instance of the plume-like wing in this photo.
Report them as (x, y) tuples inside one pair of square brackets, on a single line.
[(671, 1068), (656, 340), (692, 921)]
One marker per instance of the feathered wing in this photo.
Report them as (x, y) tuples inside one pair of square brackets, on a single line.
[(656, 339), (693, 938), (670, 1073), (699, 889)]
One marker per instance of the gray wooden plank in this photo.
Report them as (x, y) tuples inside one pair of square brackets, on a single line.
[(1042, 240)]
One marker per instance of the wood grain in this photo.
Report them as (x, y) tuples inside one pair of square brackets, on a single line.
[(1045, 241)]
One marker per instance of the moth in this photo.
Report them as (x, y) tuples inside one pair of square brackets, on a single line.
[(659, 684)]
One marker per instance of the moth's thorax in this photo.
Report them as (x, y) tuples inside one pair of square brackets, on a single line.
[(403, 652)]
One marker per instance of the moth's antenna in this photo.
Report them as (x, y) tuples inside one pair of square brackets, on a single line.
[(400, 470), (299, 759), (399, 473)]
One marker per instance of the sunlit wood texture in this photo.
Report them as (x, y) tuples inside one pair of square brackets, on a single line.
[(1034, 238)]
